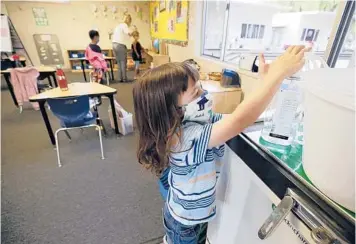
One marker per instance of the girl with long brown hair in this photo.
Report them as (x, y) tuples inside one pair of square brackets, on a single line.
[(178, 130)]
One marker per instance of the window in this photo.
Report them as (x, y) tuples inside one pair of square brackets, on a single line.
[(347, 52), (251, 27), (214, 28)]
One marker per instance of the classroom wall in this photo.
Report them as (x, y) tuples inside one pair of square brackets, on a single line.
[(3, 8), (250, 81), (72, 21)]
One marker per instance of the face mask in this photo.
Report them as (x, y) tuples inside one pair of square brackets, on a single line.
[(199, 110)]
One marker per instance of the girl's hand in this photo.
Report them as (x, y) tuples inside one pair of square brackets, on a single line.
[(288, 63)]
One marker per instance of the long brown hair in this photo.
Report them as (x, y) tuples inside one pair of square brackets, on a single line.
[(158, 115)]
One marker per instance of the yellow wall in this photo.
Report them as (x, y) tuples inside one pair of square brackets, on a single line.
[(72, 21), (180, 28)]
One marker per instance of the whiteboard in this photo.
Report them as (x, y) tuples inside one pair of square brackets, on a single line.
[(5, 40)]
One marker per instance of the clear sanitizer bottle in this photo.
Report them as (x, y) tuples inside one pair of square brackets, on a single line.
[(281, 116)]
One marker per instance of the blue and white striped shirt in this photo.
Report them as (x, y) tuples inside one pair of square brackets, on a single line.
[(194, 170)]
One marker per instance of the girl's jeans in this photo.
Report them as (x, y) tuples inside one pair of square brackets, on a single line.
[(177, 233)]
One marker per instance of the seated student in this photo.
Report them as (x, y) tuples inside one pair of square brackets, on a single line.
[(95, 57)]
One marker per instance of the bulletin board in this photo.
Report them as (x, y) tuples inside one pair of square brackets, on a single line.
[(169, 21), (48, 49)]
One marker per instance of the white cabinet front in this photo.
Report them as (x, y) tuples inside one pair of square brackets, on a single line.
[(244, 203)]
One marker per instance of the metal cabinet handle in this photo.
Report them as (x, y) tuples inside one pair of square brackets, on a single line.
[(317, 223), (276, 218)]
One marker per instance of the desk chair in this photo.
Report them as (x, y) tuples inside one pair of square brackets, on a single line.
[(43, 86), (6, 64), (73, 113)]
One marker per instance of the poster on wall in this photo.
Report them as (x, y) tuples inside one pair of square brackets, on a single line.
[(179, 12), (171, 5), (156, 13), (162, 5), (171, 25), (48, 49), (40, 16), (156, 26), (138, 10)]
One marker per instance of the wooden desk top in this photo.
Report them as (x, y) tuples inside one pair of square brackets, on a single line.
[(39, 68), (107, 58), (9, 58), (75, 89), (153, 54), (215, 87)]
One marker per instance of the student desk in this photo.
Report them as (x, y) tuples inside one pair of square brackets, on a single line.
[(91, 89), (22, 61), (84, 60), (45, 72), (157, 59)]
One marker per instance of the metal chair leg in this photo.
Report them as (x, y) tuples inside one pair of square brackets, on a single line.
[(57, 147), (101, 142), (103, 127), (67, 134), (101, 124), (91, 76)]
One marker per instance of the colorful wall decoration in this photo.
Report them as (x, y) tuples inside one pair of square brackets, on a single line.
[(169, 21)]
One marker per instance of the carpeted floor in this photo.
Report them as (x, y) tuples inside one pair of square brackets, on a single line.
[(88, 200)]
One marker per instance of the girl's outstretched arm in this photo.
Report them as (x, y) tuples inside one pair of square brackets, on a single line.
[(250, 109)]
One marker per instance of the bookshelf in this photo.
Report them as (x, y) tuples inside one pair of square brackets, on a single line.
[(75, 56)]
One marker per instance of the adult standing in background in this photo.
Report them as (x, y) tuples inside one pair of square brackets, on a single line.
[(120, 40)]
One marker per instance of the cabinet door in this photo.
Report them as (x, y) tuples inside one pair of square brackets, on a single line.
[(244, 202)]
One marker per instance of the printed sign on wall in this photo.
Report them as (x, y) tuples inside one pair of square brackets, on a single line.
[(40, 16)]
